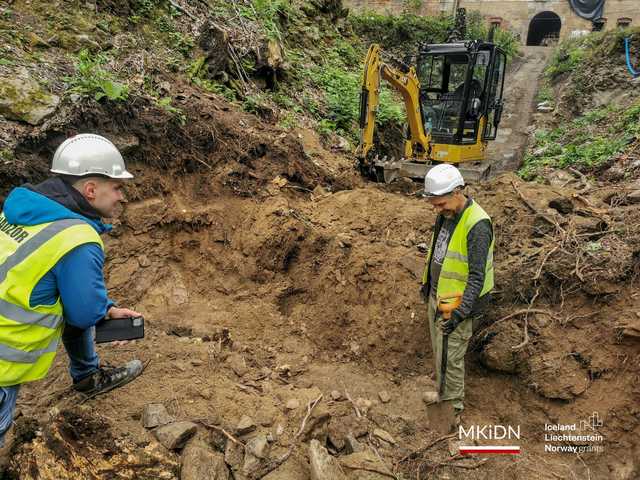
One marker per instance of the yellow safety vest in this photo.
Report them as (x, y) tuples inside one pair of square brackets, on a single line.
[(455, 268), (29, 335)]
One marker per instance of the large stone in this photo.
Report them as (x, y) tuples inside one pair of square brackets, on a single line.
[(322, 465), (23, 99), (237, 364), (352, 445), (199, 462), (174, 435), (155, 415), (234, 455), (256, 451), (384, 435), (365, 465), (245, 425)]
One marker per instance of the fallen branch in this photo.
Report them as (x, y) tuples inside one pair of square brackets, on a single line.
[(535, 210), (182, 9), (355, 407), (416, 453), (544, 260), (274, 464), (310, 407), (586, 186), (221, 430)]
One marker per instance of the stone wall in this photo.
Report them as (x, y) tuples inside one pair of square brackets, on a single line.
[(515, 14)]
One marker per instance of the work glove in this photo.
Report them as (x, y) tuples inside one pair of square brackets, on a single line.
[(424, 293), (449, 326)]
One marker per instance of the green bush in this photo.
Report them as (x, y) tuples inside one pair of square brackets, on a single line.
[(585, 143), (566, 57), (165, 104), (406, 30), (342, 96), (91, 79), (271, 15), (478, 29)]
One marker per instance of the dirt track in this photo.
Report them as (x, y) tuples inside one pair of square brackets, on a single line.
[(520, 91)]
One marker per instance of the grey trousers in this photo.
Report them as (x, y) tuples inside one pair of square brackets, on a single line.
[(458, 342)]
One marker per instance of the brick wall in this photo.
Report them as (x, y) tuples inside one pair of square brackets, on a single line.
[(516, 14)]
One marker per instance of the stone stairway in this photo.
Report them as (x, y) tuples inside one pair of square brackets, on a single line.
[(521, 86)]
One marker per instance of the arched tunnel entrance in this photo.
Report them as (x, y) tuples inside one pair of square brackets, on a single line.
[(544, 26)]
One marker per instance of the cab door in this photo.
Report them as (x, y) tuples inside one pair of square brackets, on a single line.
[(494, 97)]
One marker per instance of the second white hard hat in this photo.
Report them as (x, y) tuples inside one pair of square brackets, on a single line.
[(441, 180), (88, 154)]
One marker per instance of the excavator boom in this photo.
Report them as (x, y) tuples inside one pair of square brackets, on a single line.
[(407, 85)]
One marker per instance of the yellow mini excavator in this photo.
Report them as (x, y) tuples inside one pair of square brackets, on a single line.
[(453, 101)]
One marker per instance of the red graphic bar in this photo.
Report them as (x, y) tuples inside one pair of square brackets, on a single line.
[(490, 449)]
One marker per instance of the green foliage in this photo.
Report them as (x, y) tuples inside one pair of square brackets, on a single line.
[(6, 154), (270, 14), (195, 73), (586, 143), (288, 121), (342, 96), (142, 9), (256, 103), (92, 79), (165, 104), (478, 29), (566, 57), (545, 93), (405, 30)]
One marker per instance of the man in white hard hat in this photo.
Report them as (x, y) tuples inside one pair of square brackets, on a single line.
[(51, 279), (459, 263)]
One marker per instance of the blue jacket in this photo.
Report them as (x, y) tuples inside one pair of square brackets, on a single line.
[(77, 278)]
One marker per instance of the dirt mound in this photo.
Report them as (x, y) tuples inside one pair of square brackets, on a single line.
[(79, 444), (262, 281)]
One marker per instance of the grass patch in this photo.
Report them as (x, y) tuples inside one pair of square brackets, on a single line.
[(92, 79), (586, 143)]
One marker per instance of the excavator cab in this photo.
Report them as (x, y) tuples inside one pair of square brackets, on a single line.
[(461, 86)]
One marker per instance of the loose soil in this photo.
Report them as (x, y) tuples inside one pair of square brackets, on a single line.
[(268, 270)]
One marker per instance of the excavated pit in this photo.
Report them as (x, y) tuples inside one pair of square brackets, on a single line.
[(267, 274)]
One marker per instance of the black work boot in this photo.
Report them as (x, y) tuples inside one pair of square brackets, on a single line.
[(107, 378)]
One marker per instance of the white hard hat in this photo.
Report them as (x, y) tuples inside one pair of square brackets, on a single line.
[(442, 179), (87, 154)]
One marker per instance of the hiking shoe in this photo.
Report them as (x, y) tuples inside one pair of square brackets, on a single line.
[(107, 378)]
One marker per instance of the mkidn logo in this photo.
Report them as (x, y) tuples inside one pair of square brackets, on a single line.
[(489, 432)]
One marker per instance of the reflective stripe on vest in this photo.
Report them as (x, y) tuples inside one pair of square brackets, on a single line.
[(20, 356), (455, 267), (30, 335)]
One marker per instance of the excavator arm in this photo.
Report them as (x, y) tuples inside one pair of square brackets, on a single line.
[(407, 84)]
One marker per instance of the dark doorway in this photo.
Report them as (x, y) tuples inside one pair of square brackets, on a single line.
[(544, 29)]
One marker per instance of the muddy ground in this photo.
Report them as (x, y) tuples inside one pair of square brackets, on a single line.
[(269, 271), (274, 279)]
